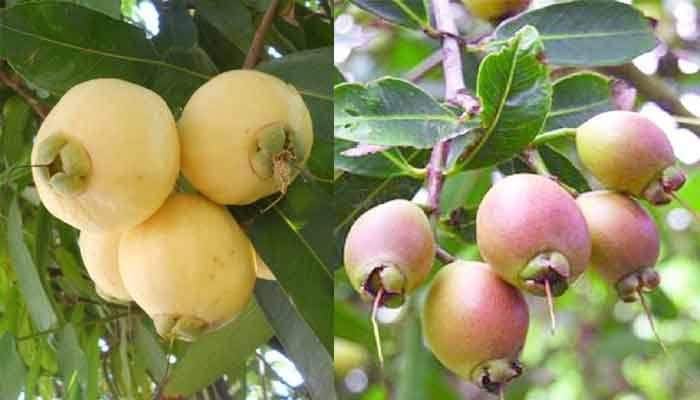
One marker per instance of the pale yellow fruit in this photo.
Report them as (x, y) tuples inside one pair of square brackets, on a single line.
[(100, 252), (190, 266), (245, 135), (112, 152)]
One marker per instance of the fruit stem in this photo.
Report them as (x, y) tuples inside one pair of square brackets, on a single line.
[(501, 393), (686, 206), (550, 303), (375, 325), (650, 317)]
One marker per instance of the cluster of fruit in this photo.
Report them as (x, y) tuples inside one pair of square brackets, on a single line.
[(106, 160), (534, 236)]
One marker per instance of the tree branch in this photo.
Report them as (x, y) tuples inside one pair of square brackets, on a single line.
[(14, 83), (258, 44), (654, 89)]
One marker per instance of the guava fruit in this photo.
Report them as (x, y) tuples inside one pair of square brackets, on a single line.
[(495, 10), (389, 251), (531, 232), (190, 266), (629, 153), (107, 156), (100, 253), (245, 135), (476, 324), (625, 242)]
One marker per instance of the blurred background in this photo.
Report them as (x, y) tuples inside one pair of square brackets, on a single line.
[(603, 348)]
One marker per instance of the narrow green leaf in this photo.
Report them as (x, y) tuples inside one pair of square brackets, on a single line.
[(586, 32), (408, 13), (219, 352), (577, 98), (150, 350), (16, 115), (300, 342), (561, 167), (71, 359), (13, 371), (516, 95), (38, 303)]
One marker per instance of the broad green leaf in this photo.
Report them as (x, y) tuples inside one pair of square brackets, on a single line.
[(586, 32), (38, 302), (177, 88), (353, 325), (13, 371), (408, 13), (391, 112), (231, 18), (71, 360), (300, 342), (218, 352), (516, 95), (108, 7), (387, 163), (560, 166), (16, 116), (223, 53), (661, 305), (150, 350), (313, 75), (176, 28), (292, 239), (577, 98)]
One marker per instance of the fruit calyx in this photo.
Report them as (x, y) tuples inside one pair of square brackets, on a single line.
[(630, 286), (186, 328), (492, 375), (660, 190), (549, 268), (277, 154), (64, 164), (386, 281)]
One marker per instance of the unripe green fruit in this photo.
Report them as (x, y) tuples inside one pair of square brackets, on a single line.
[(625, 241), (347, 356), (100, 252), (109, 156), (190, 266), (390, 247), (495, 10), (628, 153), (476, 324), (531, 232), (245, 135)]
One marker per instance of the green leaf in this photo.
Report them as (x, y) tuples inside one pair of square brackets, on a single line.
[(149, 349), (108, 7), (13, 370), (577, 98), (516, 95), (661, 305), (92, 356), (218, 352), (231, 18), (586, 32), (301, 344), (353, 325), (38, 302), (386, 163), (292, 238), (408, 13), (177, 88), (561, 167), (16, 116), (176, 28), (391, 112), (71, 359)]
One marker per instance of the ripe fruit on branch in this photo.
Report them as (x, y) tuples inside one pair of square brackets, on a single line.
[(495, 10), (628, 153), (189, 266), (245, 135), (108, 156), (100, 252), (625, 242), (476, 324), (389, 251), (532, 233)]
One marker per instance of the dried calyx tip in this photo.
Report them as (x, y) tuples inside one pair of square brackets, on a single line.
[(277, 153), (642, 280), (388, 282), (493, 375), (180, 327), (660, 190), (550, 268)]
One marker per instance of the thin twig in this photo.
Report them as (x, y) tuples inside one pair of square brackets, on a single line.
[(444, 256), (55, 330), (425, 66), (258, 44), (14, 84)]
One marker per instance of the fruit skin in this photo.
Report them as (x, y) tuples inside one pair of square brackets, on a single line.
[(189, 266), (389, 246), (223, 125), (524, 217), (130, 139), (262, 271), (472, 320), (628, 153), (494, 10), (625, 241), (100, 252)]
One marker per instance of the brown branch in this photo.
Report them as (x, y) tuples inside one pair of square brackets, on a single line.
[(256, 47), (654, 89), (14, 83)]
